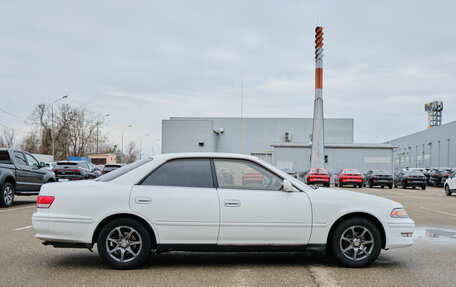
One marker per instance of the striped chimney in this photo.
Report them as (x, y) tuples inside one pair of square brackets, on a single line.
[(318, 140)]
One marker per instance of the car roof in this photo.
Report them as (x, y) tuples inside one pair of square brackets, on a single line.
[(169, 156)]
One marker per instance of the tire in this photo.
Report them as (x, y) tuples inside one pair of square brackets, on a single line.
[(341, 185), (113, 231), (395, 185), (414, 187), (7, 195), (360, 185), (336, 184), (370, 184), (447, 190), (343, 239), (423, 187), (382, 186), (403, 185), (390, 186)]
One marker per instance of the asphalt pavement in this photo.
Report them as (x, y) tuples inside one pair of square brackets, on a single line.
[(24, 261)]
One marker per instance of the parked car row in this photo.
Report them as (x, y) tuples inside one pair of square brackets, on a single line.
[(22, 174)]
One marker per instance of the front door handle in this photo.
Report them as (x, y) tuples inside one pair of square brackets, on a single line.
[(232, 203), (143, 200)]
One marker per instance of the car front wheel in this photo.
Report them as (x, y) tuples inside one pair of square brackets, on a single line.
[(356, 242), (124, 243), (7, 195)]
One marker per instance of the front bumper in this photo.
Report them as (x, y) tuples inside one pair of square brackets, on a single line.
[(399, 233)]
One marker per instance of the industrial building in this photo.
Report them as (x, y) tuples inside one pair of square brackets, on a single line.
[(433, 147), (285, 142)]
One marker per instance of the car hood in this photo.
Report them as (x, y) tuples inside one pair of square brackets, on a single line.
[(343, 195)]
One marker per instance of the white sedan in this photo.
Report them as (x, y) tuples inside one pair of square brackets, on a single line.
[(215, 202), (450, 184)]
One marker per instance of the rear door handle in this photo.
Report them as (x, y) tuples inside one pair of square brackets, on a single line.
[(232, 203), (143, 200)]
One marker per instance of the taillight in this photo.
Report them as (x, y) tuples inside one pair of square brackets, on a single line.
[(434, 174), (76, 170), (44, 201), (54, 170)]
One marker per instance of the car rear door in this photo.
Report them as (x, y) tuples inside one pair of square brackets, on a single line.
[(180, 199), (260, 213)]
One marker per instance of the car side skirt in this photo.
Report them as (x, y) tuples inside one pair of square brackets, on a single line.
[(317, 248)]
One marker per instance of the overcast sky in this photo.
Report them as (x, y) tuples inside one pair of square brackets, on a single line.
[(144, 61)]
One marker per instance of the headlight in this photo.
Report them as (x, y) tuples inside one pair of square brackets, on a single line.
[(399, 213)]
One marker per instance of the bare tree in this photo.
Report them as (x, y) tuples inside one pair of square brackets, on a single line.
[(131, 154), (9, 138), (74, 128)]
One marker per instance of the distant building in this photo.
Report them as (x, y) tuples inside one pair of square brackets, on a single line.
[(285, 142), (434, 147), (102, 158)]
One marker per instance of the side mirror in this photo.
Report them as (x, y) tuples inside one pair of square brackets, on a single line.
[(287, 186), (42, 164)]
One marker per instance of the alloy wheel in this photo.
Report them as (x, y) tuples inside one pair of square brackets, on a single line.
[(8, 195), (123, 244), (356, 243)]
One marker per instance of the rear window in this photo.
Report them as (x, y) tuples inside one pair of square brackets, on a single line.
[(4, 157), (112, 165), (123, 170), (66, 163), (321, 170), (414, 173), (352, 171), (381, 171)]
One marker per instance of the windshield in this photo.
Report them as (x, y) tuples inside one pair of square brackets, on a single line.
[(380, 171), (123, 170)]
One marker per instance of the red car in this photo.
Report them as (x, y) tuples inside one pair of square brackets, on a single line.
[(317, 175), (349, 177), (252, 176)]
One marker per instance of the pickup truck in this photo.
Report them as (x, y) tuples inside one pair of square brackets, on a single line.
[(21, 174)]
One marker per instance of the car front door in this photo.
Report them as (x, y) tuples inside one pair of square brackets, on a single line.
[(452, 181), (38, 173), (24, 174), (257, 211), (180, 199)]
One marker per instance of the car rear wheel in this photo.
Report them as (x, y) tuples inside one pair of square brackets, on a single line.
[(124, 243), (370, 184), (447, 190), (356, 242), (403, 185), (7, 195), (423, 187)]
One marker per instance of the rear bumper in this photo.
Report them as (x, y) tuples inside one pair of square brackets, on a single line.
[(399, 234), (416, 183), (69, 177), (62, 229), (382, 182)]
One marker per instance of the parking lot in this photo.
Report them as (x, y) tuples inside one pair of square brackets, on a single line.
[(430, 262)]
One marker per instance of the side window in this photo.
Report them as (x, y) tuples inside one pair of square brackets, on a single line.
[(20, 159), (32, 161), (182, 172), (242, 174), (84, 165)]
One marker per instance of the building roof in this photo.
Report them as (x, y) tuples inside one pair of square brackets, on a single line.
[(354, 145)]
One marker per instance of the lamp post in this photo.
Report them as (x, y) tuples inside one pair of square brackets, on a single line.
[(140, 145), (98, 124), (122, 141), (153, 146), (52, 124)]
